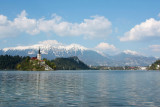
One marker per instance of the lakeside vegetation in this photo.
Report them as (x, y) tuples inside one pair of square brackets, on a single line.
[(155, 65), (34, 65), (8, 62), (27, 65)]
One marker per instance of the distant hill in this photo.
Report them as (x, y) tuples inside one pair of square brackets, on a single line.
[(71, 63)]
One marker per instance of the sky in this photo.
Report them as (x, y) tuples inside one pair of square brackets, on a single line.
[(109, 26)]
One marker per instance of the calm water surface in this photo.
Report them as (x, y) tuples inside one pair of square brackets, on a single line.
[(79, 88)]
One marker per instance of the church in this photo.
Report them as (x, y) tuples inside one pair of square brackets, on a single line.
[(40, 61), (39, 57)]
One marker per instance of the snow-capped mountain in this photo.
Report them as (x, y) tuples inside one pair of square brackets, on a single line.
[(51, 49), (47, 46)]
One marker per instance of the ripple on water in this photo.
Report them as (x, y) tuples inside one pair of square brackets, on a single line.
[(79, 88)]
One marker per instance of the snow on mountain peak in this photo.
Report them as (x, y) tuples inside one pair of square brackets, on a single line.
[(131, 52), (48, 45), (16, 48), (75, 47)]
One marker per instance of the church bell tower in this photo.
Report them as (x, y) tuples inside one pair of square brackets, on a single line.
[(39, 54)]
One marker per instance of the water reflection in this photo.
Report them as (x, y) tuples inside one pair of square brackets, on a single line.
[(79, 88)]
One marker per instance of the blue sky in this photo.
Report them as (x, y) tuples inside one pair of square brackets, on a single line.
[(110, 26)]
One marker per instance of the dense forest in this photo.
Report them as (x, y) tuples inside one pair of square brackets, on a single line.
[(8, 62), (71, 63)]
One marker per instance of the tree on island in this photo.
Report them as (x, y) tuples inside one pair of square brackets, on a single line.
[(35, 65), (155, 66)]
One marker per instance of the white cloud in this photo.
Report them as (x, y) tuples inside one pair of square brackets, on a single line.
[(105, 46), (96, 26), (51, 43), (6, 27), (18, 25), (149, 28), (23, 24), (155, 48), (3, 19), (131, 52)]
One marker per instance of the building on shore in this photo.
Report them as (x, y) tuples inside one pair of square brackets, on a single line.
[(41, 62), (39, 55)]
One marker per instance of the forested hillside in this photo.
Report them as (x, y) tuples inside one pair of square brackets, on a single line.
[(8, 62), (71, 63)]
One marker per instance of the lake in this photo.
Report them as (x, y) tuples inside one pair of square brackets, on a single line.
[(79, 88)]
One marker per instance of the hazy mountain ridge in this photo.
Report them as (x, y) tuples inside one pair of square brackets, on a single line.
[(133, 60), (53, 49)]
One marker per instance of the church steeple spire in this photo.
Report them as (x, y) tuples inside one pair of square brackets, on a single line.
[(39, 54), (39, 51)]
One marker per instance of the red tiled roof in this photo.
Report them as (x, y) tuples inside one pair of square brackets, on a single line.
[(33, 58)]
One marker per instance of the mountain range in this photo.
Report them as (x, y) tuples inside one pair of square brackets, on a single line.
[(52, 49)]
